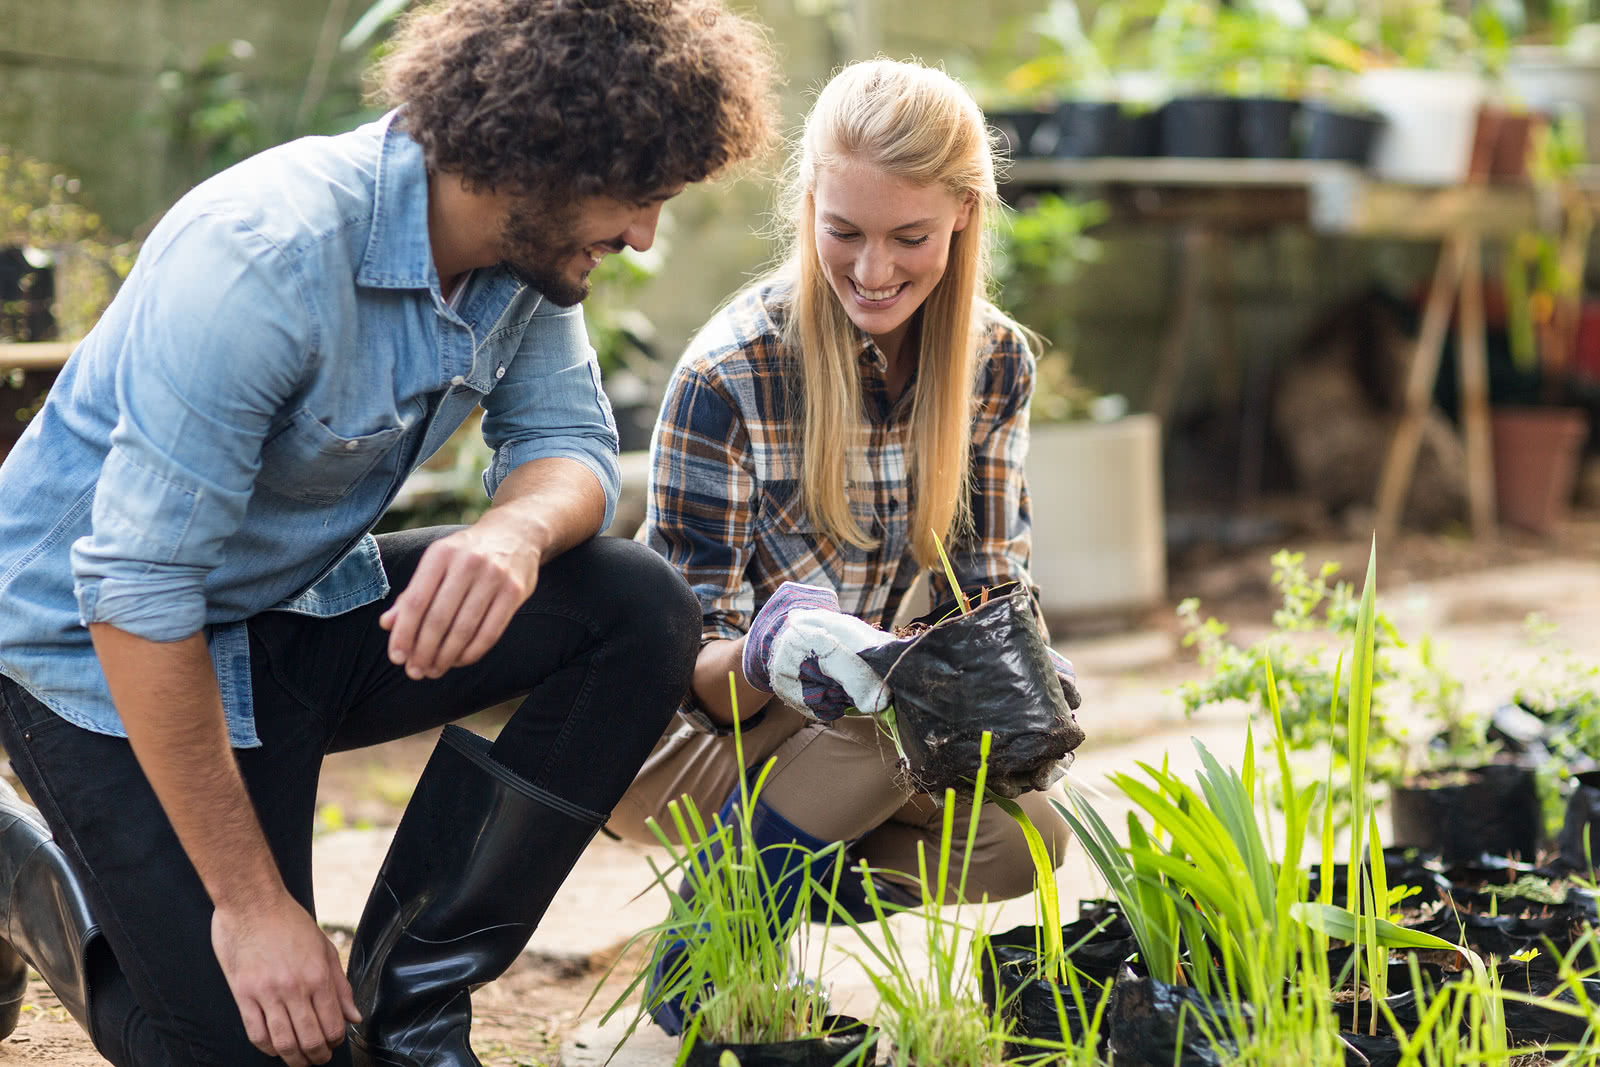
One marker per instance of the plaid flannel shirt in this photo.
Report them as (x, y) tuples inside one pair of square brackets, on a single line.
[(724, 503)]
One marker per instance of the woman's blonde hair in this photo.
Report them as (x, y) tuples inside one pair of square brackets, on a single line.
[(919, 125)]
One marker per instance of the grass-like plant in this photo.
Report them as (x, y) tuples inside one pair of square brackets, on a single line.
[(749, 972), (930, 1010)]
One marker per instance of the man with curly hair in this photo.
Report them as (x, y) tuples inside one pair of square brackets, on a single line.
[(197, 611)]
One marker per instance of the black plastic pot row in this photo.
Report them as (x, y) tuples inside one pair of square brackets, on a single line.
[(1206, 127), (1149, 1022)]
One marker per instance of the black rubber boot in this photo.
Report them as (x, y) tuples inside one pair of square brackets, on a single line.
[(46, 921), (477, 857)]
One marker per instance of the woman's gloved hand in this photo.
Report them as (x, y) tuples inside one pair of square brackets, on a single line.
[(1068, 678), (804, 650)]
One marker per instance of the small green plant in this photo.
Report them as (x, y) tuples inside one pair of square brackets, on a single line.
[(736, 964), (930, 1010), (1419, 720), (1042, 248)]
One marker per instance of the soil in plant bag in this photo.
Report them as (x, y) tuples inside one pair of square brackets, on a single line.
[(1164, 1025), (1402, 866), (846, 1036), (986, 670), (1493, 809)]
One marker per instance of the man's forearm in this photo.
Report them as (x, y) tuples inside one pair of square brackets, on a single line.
[(555, 503), (167, 696)]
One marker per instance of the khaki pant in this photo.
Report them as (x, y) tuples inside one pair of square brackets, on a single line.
[(837, 782)]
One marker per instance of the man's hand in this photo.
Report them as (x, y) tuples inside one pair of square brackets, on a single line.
[(460, 599), (470, 583), (285, 976)]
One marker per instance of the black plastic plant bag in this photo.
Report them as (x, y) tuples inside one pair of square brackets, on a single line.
[(1161, 1025), (1533, 1024), (1367, 1050), (847, 1036), (1010, 982), (1579, 843), (1497, 812), (985, 670)]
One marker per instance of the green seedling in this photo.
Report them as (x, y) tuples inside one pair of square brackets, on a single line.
[(930, 1012), (736, 948)]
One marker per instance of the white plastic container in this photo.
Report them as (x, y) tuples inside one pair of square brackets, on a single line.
[(1099, 533), (1549, 80), (1431, 119)]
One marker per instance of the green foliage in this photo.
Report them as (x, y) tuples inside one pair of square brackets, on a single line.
[(1040, 250), (929, 1009), (1411, 684), (40, 210), (735, 944)]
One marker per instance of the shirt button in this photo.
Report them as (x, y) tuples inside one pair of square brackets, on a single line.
[(351, 446), (458, 380), (894, 505), (499, 372)]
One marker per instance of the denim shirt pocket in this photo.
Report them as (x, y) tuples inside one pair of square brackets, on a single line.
[(308, 461)]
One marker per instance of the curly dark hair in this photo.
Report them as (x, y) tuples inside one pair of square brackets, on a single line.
[(582, 97)]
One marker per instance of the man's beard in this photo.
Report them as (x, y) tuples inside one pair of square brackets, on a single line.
[(552, 231)]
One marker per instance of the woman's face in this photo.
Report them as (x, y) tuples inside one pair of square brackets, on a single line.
[(883, 243)]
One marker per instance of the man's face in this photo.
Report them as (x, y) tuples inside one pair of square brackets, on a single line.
[(554, 249)]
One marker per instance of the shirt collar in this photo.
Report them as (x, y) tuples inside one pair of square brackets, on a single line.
[(398, 254), (869, 352)]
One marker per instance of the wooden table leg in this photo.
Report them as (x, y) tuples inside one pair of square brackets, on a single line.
[(1401, 458), (1473, 363)]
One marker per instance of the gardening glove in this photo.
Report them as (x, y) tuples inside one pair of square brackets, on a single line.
[(1068, 678), (802, 648)]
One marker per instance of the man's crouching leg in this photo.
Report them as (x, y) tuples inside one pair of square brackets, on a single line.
[(608, 641)]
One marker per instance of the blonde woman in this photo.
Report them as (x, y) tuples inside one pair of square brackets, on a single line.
[(825, 430)]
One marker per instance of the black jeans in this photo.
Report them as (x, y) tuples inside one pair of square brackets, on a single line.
[(603, 651)]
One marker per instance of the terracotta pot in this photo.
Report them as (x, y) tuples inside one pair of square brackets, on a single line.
[(1510, 160), (1536, 454)]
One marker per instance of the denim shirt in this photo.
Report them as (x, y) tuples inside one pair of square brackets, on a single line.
[(224, 440)]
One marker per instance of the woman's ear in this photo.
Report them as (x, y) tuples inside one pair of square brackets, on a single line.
[(964, 210)]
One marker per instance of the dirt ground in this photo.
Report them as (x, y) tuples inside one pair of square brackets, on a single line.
[(521, 1019)]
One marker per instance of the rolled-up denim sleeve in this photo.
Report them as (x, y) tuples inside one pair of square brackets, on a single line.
[(550, 404), (213, 343)]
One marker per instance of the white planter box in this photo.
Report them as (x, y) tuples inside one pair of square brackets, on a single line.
[(1099, 539), (1546, 79), (1431, 119)]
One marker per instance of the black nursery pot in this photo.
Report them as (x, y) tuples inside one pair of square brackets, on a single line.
[(1021, 128), (1200, 127), (1086, 129), (1266, 127), (1010, 983), (1344, 136), (1160, 1025), (848, 1036), (987, 670), (1496, 813), (1582, 821), (1136, 134)]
